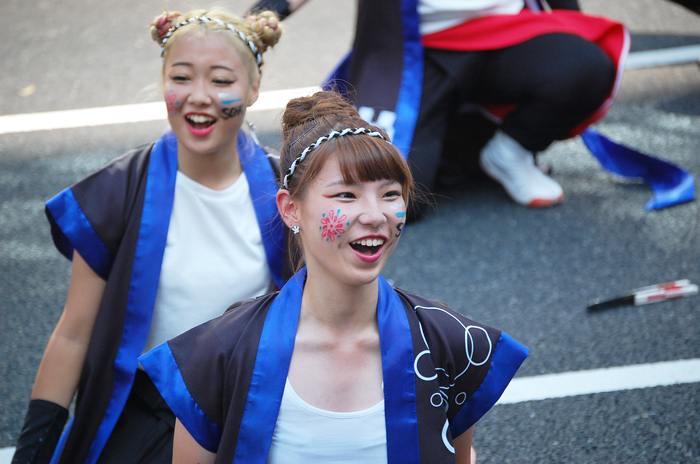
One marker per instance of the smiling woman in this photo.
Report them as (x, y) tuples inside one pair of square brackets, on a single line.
[(162, 239), (338, 366), (211, 74), (198, 69), (334, 144)]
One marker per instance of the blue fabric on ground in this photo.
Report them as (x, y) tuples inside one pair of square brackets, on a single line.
[(671, 184)]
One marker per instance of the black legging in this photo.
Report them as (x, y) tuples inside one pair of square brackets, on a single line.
[(144, 432), (557, 80)]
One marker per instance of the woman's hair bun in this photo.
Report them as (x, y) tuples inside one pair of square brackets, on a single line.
[(262, 29), (266, 29), (303, 110), (162, 23)]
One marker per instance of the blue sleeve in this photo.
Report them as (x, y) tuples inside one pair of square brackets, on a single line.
[(71, 230), (507, 358), (162, 368)]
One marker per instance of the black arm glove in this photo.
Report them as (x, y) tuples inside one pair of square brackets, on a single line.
[(40, 433), (281, 7)]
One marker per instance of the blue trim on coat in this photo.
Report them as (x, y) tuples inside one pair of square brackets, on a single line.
[(263, 191), (270, 374), (71, 230), (153, 232), (408, 103), (162, 368), (337, 81), (62, 442), (507, 358), (411, 86), (400, 409)]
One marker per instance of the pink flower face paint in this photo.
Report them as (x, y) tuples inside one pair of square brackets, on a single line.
[(332, 225), (172, 102), (229, 98)]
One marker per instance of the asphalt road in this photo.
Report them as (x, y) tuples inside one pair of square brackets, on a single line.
[(528, 272)]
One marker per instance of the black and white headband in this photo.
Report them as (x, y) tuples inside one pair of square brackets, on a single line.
[(313, 146), (204, 19)]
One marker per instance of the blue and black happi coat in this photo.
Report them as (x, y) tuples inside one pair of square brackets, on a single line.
[(117, 219), (442, 372)]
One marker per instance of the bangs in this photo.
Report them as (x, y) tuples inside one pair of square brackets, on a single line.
[(367, 159), (361, 158)]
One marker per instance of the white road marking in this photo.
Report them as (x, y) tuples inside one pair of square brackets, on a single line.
[(6, 455), (549, 386), (69, 119), (663, 57), (610, 379), (271, 100)]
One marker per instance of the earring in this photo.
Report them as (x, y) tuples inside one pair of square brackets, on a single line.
[(295, 229)]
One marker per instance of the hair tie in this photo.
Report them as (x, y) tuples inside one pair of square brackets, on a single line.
[(315, 145), (204, 19)]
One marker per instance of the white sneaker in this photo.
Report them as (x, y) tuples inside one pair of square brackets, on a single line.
[(514, 167)]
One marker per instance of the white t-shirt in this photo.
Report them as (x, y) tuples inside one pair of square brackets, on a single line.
[(438, 15), (214, 256), (305, 434)]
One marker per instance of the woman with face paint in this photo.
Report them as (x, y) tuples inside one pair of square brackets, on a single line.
[(162, 239), (338, 366)]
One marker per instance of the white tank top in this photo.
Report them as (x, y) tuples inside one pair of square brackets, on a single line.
[(305, 434), (214, 257), (438, 15)]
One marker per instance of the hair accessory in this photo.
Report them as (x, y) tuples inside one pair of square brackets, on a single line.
[(295, 229), (315, 145), (162, 23), (307, 131), (204, 19)]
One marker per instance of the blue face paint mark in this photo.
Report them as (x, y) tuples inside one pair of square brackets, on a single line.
[(400, 215), (228, 98), (347, 224)]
